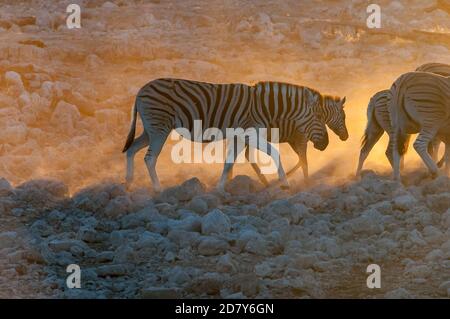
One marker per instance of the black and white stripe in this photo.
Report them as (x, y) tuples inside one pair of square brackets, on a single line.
[(378, 121), (420, 104), (167, 104), (293, 132)]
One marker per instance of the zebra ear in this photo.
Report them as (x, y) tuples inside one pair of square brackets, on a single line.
[(343, 101)]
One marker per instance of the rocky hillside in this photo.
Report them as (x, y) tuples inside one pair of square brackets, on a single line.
[(251, 243), (65, 99)]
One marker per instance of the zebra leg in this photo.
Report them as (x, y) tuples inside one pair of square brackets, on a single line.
[(433, 148), (156, 143), (255, 166), (443, 161), (371, 137), (421, 146), (300, 148), (272, 152), (232, 154), (446, 158), (396, 139), (138, 144), (407, 138), (391, 149)]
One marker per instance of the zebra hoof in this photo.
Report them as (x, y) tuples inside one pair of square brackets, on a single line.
[(127, 185), (157, 190), (434, 175)]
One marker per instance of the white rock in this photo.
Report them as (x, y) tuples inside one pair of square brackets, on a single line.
[(446, 218), (444, 287), (416, 238), (210, 246), (399, 293), (65, 116), (370, 222), (14, 82), (237, 295), (404, 202), (124, 254), (41, 228), (47, 90), (240, 185), (160, 293), (111, 117), (109, 5), (190, 223), (118, 206), (226, 264), (257, 247), (178, 276), (308, 199), (24, 99), (247, 235), (93, 61), (8, 239), (418, 271), (432, 234), (215, 222), (59, 245), (14, 134), (185, 192), (284, 208), (114, 270), (435, 255), (5, 187), (198, 205)]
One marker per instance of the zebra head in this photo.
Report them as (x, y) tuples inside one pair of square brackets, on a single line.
[(334, 114), (316, 131)]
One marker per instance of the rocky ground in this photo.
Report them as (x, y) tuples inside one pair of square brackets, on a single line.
[(189, 241), (65, 99)]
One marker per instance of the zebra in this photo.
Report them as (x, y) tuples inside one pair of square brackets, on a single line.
[(436, 68), (378, 121), (166, 104), (419, 104), (334, 116)]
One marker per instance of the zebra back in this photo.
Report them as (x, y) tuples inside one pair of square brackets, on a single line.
[(436, 68), (176, 103), (429, 93)]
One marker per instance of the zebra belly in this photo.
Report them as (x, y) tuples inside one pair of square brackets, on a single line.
[(200, 134)]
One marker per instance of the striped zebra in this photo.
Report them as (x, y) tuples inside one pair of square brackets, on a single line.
[(334, 117), (420, 104), (167, 104), (436, 68), (378, 121)]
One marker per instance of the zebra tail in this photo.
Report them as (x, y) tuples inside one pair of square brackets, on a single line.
[(370, 118), (130, 138)]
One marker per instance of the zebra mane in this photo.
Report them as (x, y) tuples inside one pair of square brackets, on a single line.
[(331, 98), (314, 91)]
